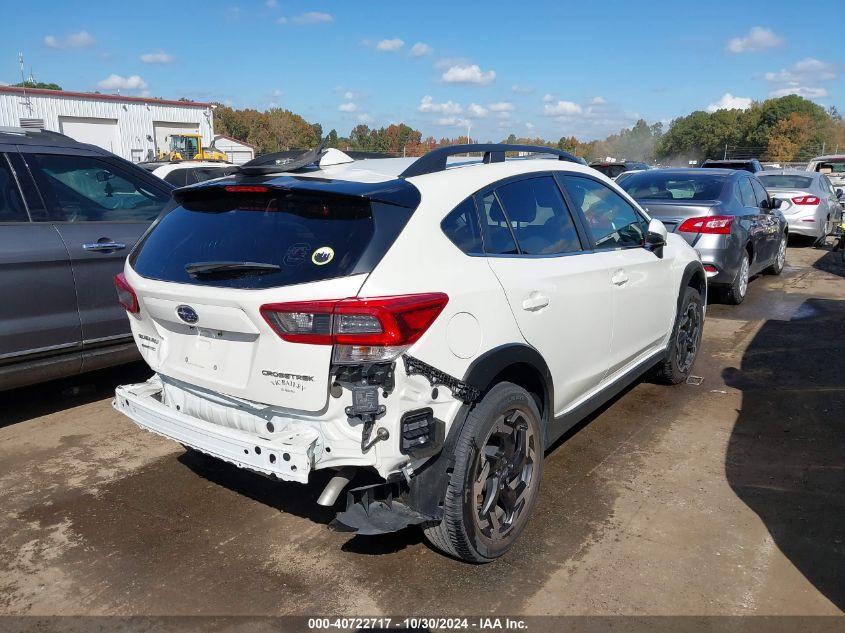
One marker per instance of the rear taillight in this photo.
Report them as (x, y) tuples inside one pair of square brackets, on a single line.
[(363, 330), (246, 189), (125, 295), (719, 224), (806, 200)]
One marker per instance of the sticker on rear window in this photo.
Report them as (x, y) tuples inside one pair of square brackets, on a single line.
[(322, 256), (296, 254)]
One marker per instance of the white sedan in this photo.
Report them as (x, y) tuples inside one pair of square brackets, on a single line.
[(809, 201)]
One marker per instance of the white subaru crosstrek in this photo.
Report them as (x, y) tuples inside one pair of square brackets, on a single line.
[(437, 322)]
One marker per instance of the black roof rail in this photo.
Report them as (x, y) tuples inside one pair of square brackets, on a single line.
[(435, 160)]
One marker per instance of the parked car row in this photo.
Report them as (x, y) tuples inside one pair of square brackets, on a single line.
[(304, 313)]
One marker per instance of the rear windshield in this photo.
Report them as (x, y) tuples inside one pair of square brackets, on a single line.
[(832, 167), (293, 238), (783, 181), (654, 185)]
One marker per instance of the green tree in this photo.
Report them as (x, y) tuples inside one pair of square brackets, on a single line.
[(37, 84)]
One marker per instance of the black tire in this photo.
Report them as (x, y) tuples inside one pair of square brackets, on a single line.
[(685, 341), (482, 448), (780, 258), (735, 293)]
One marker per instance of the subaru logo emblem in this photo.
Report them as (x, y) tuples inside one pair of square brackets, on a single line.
[(187, 314)]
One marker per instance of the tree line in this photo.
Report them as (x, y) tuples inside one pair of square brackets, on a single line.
[(781, 129)]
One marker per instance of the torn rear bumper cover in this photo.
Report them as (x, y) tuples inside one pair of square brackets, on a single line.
[(378, 509)]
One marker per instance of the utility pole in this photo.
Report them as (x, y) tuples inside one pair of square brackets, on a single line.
[(725, 157)]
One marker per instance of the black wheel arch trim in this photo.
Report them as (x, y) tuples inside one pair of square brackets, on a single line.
[(689, 272), (427, 487)]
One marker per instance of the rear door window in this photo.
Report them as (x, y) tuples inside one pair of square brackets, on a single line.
[(746, 193), (295, 237), (612, 222), (759, 192), (12, 208), (538, 217), (88, 189)]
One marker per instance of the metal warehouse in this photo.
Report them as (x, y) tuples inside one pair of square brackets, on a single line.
[(134, 128)]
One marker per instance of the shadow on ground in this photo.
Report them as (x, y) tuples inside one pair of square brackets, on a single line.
[(27, 403), (786, 454)]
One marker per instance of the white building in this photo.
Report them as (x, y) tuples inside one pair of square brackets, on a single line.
[(131, 127), (237, 151)]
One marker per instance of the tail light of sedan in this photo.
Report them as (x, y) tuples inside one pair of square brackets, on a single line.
[(806, 200), (714, 224)]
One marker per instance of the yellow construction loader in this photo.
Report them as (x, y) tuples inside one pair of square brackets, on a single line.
[(189, 147)]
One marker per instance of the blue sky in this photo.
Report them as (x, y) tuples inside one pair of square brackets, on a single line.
[(532, 68)]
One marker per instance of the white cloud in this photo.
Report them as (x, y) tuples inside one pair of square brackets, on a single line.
[(547, 98), (74, 40), (117, 82), (349, 106), (803, 78), (452, 121), (159, 57), (730, 102), (468, 74), (758, 39), (420, 49), (310, 17), (529, 126), (598, 101), (802, 91), (501, 106), (364, 117), (561, 108), (390, 45), (522, 90), (807, 70), (476, 111), (427, 104)]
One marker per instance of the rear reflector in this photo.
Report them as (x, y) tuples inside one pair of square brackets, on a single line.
[(125, 295), (710, 268), (718, 224), (368, 329), (806, 200)]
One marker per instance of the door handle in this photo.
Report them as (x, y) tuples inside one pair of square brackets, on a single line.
[(619, 278), (534, 302), (104, 246)]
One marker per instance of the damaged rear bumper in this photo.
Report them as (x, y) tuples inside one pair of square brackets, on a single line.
[(289, 456)]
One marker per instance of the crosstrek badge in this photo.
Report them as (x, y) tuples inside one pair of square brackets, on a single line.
[(322, 256)]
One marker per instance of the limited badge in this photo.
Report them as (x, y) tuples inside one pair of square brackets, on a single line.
[(322, 256)]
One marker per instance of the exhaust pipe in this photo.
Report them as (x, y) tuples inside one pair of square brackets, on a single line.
[(333, 489)]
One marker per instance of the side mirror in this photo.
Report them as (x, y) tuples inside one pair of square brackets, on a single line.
[(840, 193), (774, 203), (656, 236), (104, 176)]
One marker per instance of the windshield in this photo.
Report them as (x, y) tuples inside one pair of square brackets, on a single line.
[(654, 185), (784, 181), (294, 238)]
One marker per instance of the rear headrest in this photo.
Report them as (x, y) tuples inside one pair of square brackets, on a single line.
[(495, 213), (523, 213)]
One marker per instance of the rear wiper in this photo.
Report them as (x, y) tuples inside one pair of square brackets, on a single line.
[(230, 268)]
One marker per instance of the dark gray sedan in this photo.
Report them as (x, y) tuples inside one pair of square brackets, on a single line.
[(725, 214)]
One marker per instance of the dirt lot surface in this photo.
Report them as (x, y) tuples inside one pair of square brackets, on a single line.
[(723, 498)]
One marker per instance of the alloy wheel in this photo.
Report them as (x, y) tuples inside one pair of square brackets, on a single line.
[(689, 336), (781, 259), (743, 277), (504, 473)]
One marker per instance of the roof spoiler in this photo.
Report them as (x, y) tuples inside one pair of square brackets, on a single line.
[(435, 160), (259, 166)]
